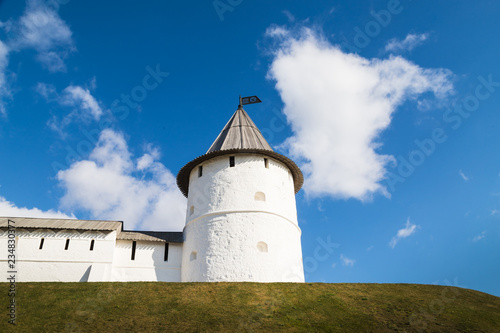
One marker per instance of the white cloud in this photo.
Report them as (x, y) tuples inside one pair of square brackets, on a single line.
[(9, 209), (80, 97), (479, 237), (277, 31), (495, 212), (148, 159), (85, 106), (346, 261), (41, 28), (464, 177), (4, 51), (338, 104), (289, 16), (47, 90), (409, 43), (111, 184), (407, 231), (4, 89), (53, 61), (7, 25)]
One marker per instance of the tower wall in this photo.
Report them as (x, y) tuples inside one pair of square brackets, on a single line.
[(241, 222)]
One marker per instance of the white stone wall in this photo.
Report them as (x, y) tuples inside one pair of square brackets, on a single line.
[(53, 262), (229, 225), (110, 260), (149, 263)]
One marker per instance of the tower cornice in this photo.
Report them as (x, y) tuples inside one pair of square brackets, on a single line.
[(185, 172)]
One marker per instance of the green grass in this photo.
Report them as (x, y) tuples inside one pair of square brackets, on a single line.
[(248, 307)]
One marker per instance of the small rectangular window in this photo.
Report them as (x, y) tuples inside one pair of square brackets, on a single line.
[(200, 171), (67, 244), (231, 161), (41, 244), (92, 245), (266, 163), (134, 244), (165, 256)]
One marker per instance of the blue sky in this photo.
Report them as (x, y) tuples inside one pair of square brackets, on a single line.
[(391, 108)]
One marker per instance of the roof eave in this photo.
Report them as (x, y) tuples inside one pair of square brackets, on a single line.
[(185, 171)]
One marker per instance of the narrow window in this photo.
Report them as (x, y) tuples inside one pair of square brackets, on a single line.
[(67, 244), (191, 210), (41, 244), (134, 244), (92, 245), (262, 247), (266, 163), (200, 171), (193, 255), (231, 161), (165, 256), (260, 196)]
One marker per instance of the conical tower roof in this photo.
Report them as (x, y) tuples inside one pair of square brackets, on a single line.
[(240, 135)]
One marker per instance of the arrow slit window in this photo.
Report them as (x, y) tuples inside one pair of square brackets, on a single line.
[(165, 255), (231, 161), (134, 244)]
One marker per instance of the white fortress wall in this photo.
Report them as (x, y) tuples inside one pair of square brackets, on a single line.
[(149, 262), (59, 259)]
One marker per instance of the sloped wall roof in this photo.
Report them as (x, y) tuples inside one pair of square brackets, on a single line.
[(68, 224), (97, 225)]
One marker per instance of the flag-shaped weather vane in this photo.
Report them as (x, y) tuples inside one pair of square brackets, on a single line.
[(248, 100)]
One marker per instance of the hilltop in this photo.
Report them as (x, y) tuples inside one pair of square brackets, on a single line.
[(249, 307)]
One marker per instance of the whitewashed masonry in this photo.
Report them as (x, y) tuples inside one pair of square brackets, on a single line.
[(81, 251)]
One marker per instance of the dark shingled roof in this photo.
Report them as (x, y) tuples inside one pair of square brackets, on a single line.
[(239, 136), (240, 132), (152, 236)]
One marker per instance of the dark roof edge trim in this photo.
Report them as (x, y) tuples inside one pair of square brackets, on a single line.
[(165, 236), (185, 171)]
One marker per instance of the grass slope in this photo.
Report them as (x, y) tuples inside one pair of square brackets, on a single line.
[(248, 307)]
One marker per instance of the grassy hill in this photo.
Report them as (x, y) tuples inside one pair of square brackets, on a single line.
[(248, 307)]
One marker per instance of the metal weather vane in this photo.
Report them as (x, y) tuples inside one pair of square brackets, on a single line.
[(248, 100)]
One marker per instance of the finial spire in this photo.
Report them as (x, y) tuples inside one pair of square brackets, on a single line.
[(240, 106)]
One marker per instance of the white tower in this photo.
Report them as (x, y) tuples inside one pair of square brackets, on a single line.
[(241, 222)]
